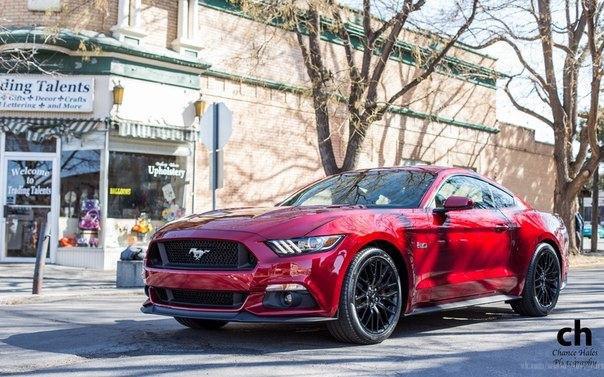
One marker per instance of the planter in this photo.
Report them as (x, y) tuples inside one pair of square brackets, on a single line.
[(129, 274)]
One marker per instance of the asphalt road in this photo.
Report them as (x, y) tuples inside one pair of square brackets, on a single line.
[(109, 336)]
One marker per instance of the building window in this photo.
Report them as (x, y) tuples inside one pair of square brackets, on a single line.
[(19, 143), (28, 202), (80, 217), (146, 186)]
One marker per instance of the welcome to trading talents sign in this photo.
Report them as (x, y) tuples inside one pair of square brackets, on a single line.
[(46, 93)]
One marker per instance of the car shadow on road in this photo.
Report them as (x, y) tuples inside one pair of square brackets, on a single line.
[(165, 336), (416, 325), (309, 345)]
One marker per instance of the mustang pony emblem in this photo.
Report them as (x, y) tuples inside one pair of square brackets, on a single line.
[(198, 253)]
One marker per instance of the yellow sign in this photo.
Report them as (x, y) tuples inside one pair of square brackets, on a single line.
[(120, 191)]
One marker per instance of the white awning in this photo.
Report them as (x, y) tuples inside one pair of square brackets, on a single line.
[(135, 129), (38, 129)]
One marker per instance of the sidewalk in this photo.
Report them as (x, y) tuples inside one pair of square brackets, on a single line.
[(587, 244), (16, 281), (60, 282)]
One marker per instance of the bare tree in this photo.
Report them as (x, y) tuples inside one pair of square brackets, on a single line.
[(595, 185), (73, 15), (358, 85), (559, 46), (13, 60)]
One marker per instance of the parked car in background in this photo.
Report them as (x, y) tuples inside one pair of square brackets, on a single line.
[(359, 250), (587, 230)]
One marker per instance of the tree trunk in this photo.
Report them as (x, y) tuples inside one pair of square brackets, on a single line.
[(328, 159), (595, 223), (565, 205), (356, 137)]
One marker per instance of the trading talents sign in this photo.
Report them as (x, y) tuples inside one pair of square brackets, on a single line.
[(29, 182), (46, 93)]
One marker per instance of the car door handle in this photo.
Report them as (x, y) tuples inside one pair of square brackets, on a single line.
[(501, 228)]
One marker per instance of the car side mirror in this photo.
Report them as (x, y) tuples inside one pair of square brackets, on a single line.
[(455, 203)]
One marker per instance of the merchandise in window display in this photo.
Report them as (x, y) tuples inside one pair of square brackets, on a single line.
[(90, 222), (80, 208), (67, 242), (142, 227), (154, 185), (88, 238), (70, 198), (172, 213)]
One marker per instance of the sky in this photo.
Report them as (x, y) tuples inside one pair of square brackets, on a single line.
[(506, 112)]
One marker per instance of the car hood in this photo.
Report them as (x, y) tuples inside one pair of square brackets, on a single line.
[(269, 222)]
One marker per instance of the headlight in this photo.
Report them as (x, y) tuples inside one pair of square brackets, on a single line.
[(304, 244)]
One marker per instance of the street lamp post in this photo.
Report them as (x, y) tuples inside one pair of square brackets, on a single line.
[(200, 106)]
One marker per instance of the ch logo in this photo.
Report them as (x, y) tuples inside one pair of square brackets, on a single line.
[(198, 253), (578, 330)]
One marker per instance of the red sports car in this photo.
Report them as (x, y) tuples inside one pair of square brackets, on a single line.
[(359, 250)]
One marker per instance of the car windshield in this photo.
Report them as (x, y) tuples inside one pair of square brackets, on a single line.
[(374, 188)]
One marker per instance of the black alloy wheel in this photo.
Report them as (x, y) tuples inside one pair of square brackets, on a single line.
[(370, 301), (547, 279), (542, 285), (377, 294)]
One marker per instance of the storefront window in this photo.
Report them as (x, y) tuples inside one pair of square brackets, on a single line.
[(19, 143), (146, 187), (80, 220), (28, 202)]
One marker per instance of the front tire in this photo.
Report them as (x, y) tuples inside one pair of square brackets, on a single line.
[(371, 299), (542, 285), (200, 324)]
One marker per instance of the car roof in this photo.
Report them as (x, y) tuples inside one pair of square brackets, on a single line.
[(435, 169)]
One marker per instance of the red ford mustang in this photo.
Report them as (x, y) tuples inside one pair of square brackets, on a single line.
[(358, 250)]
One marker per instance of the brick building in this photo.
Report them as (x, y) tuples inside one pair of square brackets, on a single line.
[(104, 171)]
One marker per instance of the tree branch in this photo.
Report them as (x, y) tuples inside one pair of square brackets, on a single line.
[(589, 8), (434, 62), (525, 110)]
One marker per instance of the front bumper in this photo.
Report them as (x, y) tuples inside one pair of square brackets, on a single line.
[(319, 273), (149, 308)]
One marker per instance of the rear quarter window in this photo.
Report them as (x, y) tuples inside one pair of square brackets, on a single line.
[(502, 199)]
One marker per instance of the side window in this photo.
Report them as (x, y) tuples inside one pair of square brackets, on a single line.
[(502, 199), (449, 188), (471, 188)]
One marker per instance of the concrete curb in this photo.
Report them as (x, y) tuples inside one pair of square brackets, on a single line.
[(24, 298)]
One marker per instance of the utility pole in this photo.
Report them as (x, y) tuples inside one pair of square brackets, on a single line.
[(43, 243), (216, 127), (214, 154)]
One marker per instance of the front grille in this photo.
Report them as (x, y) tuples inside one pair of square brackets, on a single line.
[(200, 254), (189, 297)]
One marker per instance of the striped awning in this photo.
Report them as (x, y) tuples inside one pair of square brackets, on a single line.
[(129, 128), (38, 129)]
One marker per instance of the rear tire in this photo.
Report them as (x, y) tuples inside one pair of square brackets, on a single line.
[(201, 324), (370, 301), (542, 285)]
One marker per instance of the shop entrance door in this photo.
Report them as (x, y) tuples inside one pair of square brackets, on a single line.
[(29, 193)]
